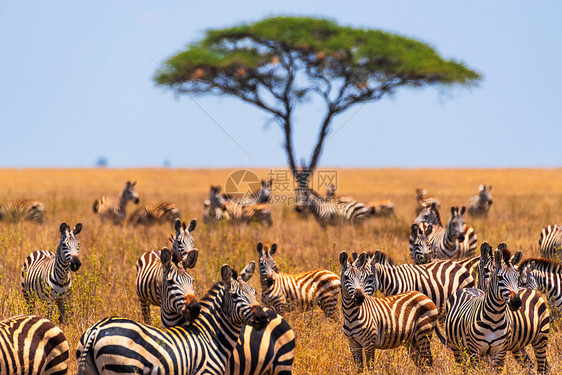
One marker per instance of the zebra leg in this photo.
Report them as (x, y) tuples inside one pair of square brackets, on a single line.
[(540, 354), (330, 307), (145, 308), (498, 361), (370, 356), (30, 301), (421, 349), (523, 358), (61, 304), (357, 352)]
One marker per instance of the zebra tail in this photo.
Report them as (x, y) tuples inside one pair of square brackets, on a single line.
[(86, 350), (95, 207), (441, 337)]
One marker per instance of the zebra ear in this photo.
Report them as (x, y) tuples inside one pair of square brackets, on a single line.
[(361, 260), (463, 210), (502, 246), (515, 259), (354, 256), (190, 259), (248, 271), (489, 187), (376, 257), (177, 226), (273, 249), (226, 274), (415, 227), (343, 260), (260, 249), (166, 257), (77, 229), (428, 230), (63, 228), (192, 225), (453, 210), (485, 250), (497, 258), (482, 188)]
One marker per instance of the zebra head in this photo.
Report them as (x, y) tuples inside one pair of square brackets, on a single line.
[(184, 243), (178, 295), (216, 198), (420, 194), (485, 196), (456, 226), (267, 267), (527, 277), (240, 303), (265, 191), (331, 191), (422, 252), (356, 278), (129, 193), (504, 278), (429, 214), (69, 246)]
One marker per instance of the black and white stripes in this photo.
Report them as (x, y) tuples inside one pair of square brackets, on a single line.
[(550, 242), (115, 210)]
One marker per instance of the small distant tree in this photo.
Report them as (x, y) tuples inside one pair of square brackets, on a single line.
[(276, 63)]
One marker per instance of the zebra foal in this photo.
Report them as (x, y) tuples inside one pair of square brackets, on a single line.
[(28, 210)]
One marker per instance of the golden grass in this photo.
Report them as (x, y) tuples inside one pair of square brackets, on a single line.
[(525, 200)]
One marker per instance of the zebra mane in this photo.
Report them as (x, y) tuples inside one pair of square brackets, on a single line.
[(506, 254), (543, 264), (384, 258)]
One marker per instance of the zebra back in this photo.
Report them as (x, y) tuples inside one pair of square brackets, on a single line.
[(31, 344), (550, 242), (159, 213), (28, 210)]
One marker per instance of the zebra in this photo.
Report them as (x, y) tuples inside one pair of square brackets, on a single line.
[(437, 280), (550, 242), (420, 248), (456, 240), (28, 210), (425, 200), (270, 351), (429, 215), (158, 213), (262, 195), (527, 321), (480, 204), (115, 210), (383, 323), (128, 347), (149, 267), (545, 276), (46, 275), (282, 292), (30, 344), (222, 207)]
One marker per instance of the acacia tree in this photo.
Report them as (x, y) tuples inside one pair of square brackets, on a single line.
[(276, 63)]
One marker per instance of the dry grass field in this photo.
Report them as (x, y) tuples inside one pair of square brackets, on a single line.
[(525, 201)]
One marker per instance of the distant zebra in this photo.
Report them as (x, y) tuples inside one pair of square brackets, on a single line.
[(116, 210), (380, 208), (420, 248), (425, 200), (222, 207), (437, 280), (124, 346), (259, 196), (26, 209), (283, 292), (384, 323), (31, 344), (270, 351), (159, 213), (455, 240), (550, 242), (545, 276), (429, 215), (480, 204), (46, 275), (149, 267)]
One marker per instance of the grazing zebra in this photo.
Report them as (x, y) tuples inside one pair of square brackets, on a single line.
[(420, 249), (282, 292), (382, 208), (222, 207), (115, 210), (30, 344), (425, 200), (124, 346), (550, 242), (26, 209), (383, 323), (479, 204), (270, 351), (159, 213), (545, 276), (437, 280), (478, 320), (149, 267), (429, 215), (456, 240), (46, 275)]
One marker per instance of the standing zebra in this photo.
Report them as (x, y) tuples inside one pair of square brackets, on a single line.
[(127, 347), (383, 323), (158, 213), (424, 200), (28, 210), (222, 207), (31, 344), (550, 242), (149, 267), (420, 248), (282, 292), (259, 196), (115, 210), (270, 351), (480, 204), (545, 276), (437, 280), (429, 215), (456, 240), (46, 275)]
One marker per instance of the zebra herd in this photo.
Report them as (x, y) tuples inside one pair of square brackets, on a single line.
[(490, 304)]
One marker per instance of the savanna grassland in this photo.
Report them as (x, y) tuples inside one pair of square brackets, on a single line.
[(525, 201)]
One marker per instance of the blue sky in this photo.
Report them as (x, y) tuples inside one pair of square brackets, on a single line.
[(77, 84)]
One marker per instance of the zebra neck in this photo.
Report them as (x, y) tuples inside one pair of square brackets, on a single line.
[(494, 308), (393, 282), (60, 273), (123, 204), (450, 242), (546, 284)]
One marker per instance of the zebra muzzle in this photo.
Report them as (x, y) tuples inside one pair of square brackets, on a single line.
[(358, 297), (191, 309), (259, 320), (75, 264), (269, 281), (515, 302)]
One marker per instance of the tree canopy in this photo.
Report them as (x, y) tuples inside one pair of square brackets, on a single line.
[(276, 63)]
